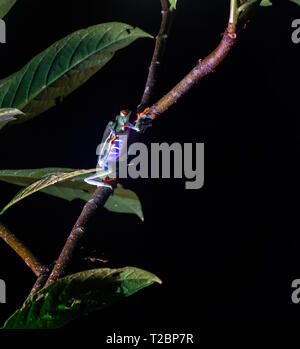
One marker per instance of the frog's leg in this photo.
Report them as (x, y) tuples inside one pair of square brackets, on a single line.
[(92, 180)]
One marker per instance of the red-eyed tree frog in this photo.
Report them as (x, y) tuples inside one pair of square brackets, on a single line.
[(113, 144)]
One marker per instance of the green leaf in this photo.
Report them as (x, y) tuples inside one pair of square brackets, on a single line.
[(9, 114), (5, 6), (296, 2), (77, 295), (43, 183), (173, 4), (122, 201), (64, 66), (125, 201), (266, 3)]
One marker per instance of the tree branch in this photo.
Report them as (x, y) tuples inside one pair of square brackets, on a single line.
[(23, 251), (102, 194), (98, 200), (40, 281), (159, 50), (203, 68)]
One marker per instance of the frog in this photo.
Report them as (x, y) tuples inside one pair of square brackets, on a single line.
[(114, 144)]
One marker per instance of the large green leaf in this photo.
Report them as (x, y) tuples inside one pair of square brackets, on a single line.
[(8, 115), (77, 295), (122, 201), (5, 6), (64, 66)]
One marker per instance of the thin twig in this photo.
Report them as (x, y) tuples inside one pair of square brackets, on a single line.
[(98, 200), (233, 15), (160, 46), (22, 250)]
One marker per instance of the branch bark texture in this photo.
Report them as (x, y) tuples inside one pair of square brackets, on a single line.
[(159, 50), (21, 249), (98, 200), (203, 68)]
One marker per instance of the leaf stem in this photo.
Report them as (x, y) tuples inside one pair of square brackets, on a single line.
[(22, 250), (233, 15), (159, 50)]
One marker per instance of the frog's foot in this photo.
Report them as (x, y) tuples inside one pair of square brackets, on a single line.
[(143, 121), (145, 114), (111, 182)]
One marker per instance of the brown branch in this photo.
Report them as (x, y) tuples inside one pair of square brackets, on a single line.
[(102, 194), (23, 251), (159, 50), (40, 281), (203, 68), (98, 200)]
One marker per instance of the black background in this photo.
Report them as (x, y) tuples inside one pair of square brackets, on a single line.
[(226, 253)]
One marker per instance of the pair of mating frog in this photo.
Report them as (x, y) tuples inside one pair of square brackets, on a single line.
[(112, 145)]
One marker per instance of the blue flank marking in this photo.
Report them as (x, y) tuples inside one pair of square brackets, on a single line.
[(113, 156)]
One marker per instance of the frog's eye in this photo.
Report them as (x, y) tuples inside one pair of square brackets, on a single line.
[(124, 112)]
